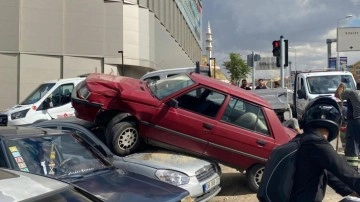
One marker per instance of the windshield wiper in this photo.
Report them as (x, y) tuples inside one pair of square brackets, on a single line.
[(72, 177), (100, 170)]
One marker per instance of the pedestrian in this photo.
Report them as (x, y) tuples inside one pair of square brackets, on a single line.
[(293, 123), (261, 84), (276, 84), (352, 143), (318, 164), (244, 85)]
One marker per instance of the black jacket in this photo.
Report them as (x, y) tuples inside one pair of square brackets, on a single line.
[(319, 165)]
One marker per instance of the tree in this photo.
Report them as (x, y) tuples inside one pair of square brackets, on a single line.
[(237, 67)]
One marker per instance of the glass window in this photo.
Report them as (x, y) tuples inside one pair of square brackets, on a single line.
[(245, 115), (202, 101), (60, 96), (328, 84), (152, 79), (56, 155), (165, 87), (38, 93)]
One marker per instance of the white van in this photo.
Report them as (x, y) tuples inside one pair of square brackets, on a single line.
[(164, 73), (50, 100)]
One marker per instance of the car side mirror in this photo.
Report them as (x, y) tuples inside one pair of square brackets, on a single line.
[(301, 94), (173, 103)]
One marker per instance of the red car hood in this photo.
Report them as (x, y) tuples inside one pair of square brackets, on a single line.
[(126, 88)]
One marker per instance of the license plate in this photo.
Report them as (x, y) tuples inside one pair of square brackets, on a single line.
[(213, 183)]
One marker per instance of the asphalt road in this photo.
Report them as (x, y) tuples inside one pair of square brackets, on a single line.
[(234, 189)]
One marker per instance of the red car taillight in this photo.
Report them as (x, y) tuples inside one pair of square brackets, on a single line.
[(84, 93)]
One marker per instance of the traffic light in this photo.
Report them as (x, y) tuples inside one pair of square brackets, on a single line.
[(286, 53), (278, 62), (276, 48)]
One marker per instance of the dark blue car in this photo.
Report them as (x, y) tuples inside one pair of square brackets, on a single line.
[(67, 156)]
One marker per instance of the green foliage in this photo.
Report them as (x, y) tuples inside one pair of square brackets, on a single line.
[(237, 67)]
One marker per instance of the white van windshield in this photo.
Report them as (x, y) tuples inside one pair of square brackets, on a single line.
[(38, 93), (328, 84)]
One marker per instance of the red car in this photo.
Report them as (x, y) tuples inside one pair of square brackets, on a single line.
[(189, 113)]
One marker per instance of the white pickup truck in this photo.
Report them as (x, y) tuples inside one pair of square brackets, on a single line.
[(50, 100), (309, 85)]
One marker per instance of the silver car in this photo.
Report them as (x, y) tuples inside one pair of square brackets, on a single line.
[(201, 178)]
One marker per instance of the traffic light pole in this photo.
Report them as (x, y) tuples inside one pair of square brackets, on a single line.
[(282, 60), (254, 70)]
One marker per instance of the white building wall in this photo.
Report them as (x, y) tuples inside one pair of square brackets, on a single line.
[(75, 66), (9, 25), (144, 38), (41, 26), (84, 27), (35, 69), (131, 41), (49, 39), (168, 53), (8, 80)]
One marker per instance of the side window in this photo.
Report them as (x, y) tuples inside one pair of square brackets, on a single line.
[(245, 115), (61, 95), (152, 79), (202, 101)]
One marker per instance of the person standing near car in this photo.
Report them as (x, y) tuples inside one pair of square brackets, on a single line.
[(318, 164), (352, 144), (244, 85), (261, 84)]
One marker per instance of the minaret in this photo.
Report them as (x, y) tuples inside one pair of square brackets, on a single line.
[(209, 49), (208, 42)]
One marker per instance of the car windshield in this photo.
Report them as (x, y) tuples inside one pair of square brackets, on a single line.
[(38, 93), (64, 155), (165, 87), (328, 84)]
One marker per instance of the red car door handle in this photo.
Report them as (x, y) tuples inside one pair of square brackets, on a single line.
[(261, 142), (207, 126)]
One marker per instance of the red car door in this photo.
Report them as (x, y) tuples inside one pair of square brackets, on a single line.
[(188, 125), (242, 136)]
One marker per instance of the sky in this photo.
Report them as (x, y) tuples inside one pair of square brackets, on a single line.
[(243, 26)]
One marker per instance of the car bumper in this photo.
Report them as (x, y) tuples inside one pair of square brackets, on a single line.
[(196, 188)]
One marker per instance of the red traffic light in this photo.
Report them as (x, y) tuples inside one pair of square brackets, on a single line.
[(276, 48), (276, 44)]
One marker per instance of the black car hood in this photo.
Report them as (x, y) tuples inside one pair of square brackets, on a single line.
[(119, 185)]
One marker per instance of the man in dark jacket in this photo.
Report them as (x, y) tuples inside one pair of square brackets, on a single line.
[(318, 164), (352, 145)]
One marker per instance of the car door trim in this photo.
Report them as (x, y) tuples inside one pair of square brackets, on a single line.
[(174, 132), (203, 141), (238, 152)]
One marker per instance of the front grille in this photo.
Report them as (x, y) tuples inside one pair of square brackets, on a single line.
[(3, 120), (205, 172)]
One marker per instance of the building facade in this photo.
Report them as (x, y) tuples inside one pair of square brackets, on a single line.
[(44, 40)]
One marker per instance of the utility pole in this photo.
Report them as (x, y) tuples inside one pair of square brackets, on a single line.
[(282, 60)]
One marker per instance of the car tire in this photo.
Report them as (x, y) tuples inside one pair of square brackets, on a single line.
[(125, 138), (254, 175)]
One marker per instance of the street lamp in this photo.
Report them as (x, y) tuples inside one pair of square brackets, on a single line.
[(122, 62), (337, 40)]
